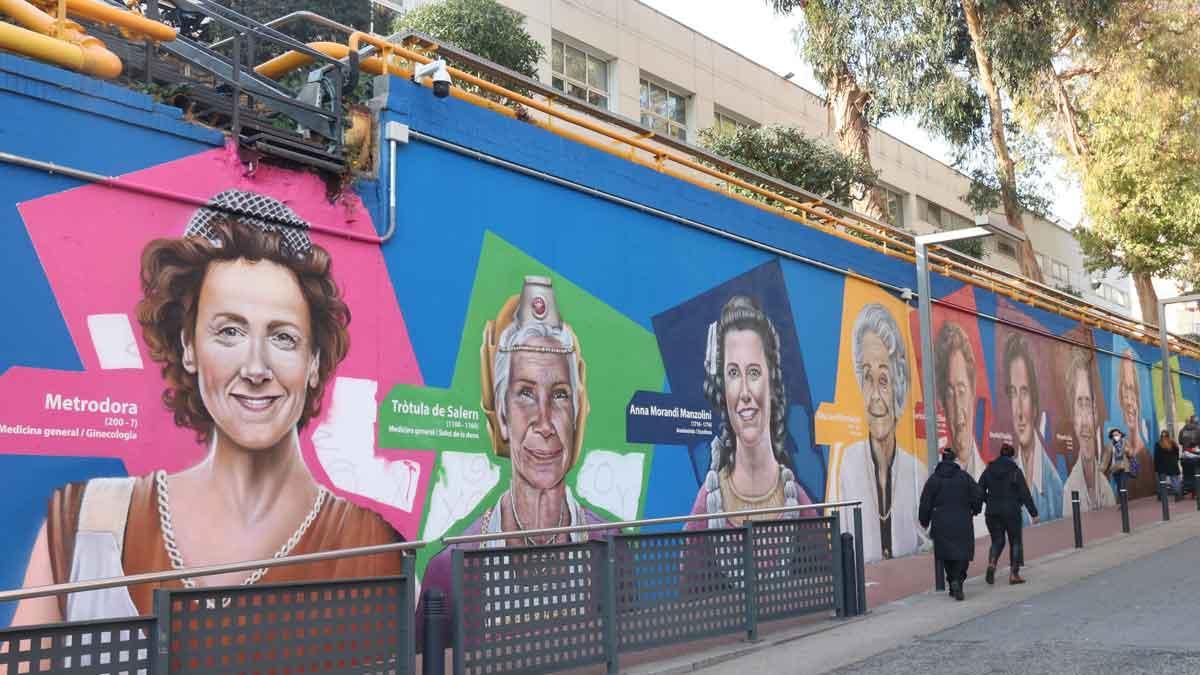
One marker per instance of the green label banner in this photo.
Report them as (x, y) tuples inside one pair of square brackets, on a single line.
[(421, 418)]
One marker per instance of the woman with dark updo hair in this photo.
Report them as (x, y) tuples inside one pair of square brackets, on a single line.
[(247, 325), (744, 382)]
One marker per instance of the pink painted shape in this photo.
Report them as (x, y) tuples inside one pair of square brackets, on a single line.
[(90, 239)]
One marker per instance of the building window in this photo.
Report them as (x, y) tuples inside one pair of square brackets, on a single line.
[(727, 123), (932, 213), (1114, 294), (1059, 272), (943, 219), (1004, 247), (663, 110), (579, 73), (894, 203), (1041, 261), (953, 221)]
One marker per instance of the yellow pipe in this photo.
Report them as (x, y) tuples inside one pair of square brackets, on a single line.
[(88, 57), (97, 11), (291, 60)]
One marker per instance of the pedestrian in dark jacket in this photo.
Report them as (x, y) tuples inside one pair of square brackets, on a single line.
[(1005, 492), (1189, 454), (949, 501), (1166, 461)]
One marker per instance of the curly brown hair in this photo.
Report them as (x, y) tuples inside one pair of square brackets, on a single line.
[(743, 313), (172, 274)]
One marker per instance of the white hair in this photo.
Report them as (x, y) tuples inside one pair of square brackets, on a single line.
[(515, 335), (874, 318)]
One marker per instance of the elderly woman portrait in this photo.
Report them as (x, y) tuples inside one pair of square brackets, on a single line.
[(955, 369), (1024, 400), (876, 469), (744, 383), (244, 319), (1087, 476), (534, 396)]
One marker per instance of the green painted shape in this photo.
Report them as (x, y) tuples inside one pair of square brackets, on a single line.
[(1183, 407), (621, 358)]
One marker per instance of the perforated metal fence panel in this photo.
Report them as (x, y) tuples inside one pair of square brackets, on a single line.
[(121, 647), (794, 566), (530, 609), (355, 626), (679, 586)]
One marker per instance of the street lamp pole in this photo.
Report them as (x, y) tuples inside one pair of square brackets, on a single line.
[(1168, 382), (925, 312)]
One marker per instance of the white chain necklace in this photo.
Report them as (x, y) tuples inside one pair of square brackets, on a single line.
[(562, 512), (168, 530)]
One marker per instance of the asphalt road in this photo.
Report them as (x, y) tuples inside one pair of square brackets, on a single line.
[(1140, 617)]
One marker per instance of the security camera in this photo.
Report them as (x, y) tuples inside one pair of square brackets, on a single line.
[(440, 74)]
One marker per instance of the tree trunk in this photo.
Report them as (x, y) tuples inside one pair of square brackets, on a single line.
[(848, 101), (1147, 297), (1004, 161), (1068, 121)]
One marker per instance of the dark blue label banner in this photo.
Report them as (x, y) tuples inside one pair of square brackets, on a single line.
[(667, 419)]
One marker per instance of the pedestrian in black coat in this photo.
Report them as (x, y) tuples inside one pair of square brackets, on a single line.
[(1005, 492), (949, 501)]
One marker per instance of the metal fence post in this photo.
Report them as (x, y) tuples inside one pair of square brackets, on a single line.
[(433, 659), (860, 566), (849, 579), (750, 581), (612, 648), (408, 625), (162, 632), (456, 592), (835, 537), (1162, 498), (1124, 499), (1077, 518)]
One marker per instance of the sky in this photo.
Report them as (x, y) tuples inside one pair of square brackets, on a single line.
[(751, 28)]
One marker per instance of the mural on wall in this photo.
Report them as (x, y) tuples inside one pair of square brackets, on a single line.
[(1024, 355), (241, 382), (736, 348), (249, 383), (874, 454), (1079, 432)]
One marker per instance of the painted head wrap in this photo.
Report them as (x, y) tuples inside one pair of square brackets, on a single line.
[(266, 213), (535, 304)]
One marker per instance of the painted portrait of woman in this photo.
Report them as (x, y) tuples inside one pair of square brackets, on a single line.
[(744, 382), (244, 319)]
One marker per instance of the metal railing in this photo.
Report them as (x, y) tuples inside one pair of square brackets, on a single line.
[(617, 593), (558, 606)]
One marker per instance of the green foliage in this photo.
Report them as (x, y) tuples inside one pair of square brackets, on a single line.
[(1140, 112), (915, 57), (1031, 155), (483, 27), (971, 247), (788, 154)]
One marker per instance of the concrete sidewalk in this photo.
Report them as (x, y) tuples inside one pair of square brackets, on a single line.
[(824, 644)]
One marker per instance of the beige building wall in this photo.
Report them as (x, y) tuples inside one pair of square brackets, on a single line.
[(636, 42)]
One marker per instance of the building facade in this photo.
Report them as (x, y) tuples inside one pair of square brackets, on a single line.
[(636, 61)]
